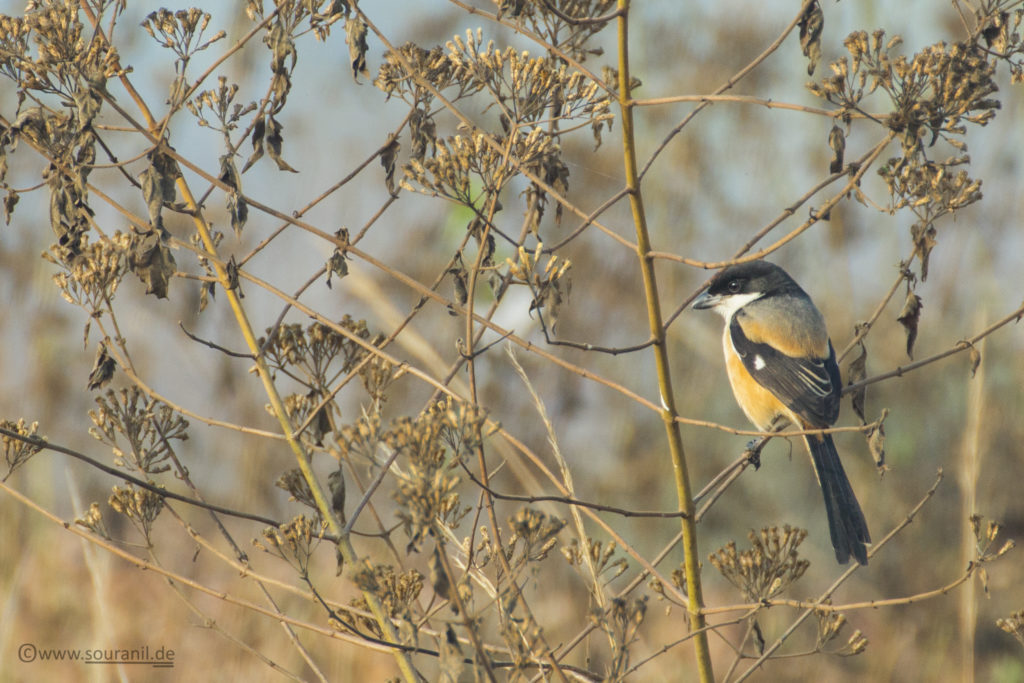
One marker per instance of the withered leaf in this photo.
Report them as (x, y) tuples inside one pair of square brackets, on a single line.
[(975, 356), (511, 7), (102, 368), (232, 273), (876, 444), (909, 317), (206, 292), (85, 157), (229, 172), (237, 207), (151, 260), (387, 160), (282, 47), (856, 373), (451, 660), (259, 129), (158, 187), (274, 141), (488, 249), (336, 485), (423, 131), (10, 201), (87, 103), (4, 141), (336, 265), (811, 24), (439, 578), (458, 272), (152, 195), (923, 235), (355, 36), (837, 141), (321, 423), (996, 31)]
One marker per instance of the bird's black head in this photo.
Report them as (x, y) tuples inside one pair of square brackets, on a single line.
[(737, 285)]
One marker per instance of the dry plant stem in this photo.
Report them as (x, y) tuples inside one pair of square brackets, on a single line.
[(668, 646), (866, 327), (246, 571), (739, 651), (406, 280), (467, 620), (209, 623), (431, 294), (745, 99), (596, 588), (691, 561), (488, 139), (727, 85), (113, 549), (561, 54), (971, 451), (206, 621), (838, 582), (120, 474), (851, 606), (487, 499), (277, 405), (331, 190), (572, 502), (855, 178), (289, 631), (956, 348)]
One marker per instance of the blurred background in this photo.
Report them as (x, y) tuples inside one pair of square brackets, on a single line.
[(731, 171)]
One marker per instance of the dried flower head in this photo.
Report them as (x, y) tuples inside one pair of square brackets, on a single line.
[(768, 568)]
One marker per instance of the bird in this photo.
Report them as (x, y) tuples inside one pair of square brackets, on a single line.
[(783, 370)]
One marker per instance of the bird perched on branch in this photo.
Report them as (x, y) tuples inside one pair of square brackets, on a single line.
[(783, 370)]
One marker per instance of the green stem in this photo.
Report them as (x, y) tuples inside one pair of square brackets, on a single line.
[(691, 563)]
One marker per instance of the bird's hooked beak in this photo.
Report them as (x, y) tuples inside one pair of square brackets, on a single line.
[(706, 300)]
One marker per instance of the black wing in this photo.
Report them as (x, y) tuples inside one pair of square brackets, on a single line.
[(810, 387)]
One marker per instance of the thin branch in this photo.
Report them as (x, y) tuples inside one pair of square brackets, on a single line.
[(574, 502), (39, 442), (819, 602), (750, 99), (733, 80), (956, 348), (216, 347)]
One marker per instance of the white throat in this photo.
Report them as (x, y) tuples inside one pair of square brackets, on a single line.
[(730, 304)]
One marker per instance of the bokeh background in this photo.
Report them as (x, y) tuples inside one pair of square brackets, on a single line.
[(729, 172)]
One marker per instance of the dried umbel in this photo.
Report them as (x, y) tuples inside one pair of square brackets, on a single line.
[(1014, 625), (140, 506), (430, 447), (537, 531), (18, 451), (146, 426), (91, 279), (293, 542), (768, 568), (397, 590)]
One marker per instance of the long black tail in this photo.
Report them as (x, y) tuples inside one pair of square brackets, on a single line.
[(846, 522)]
